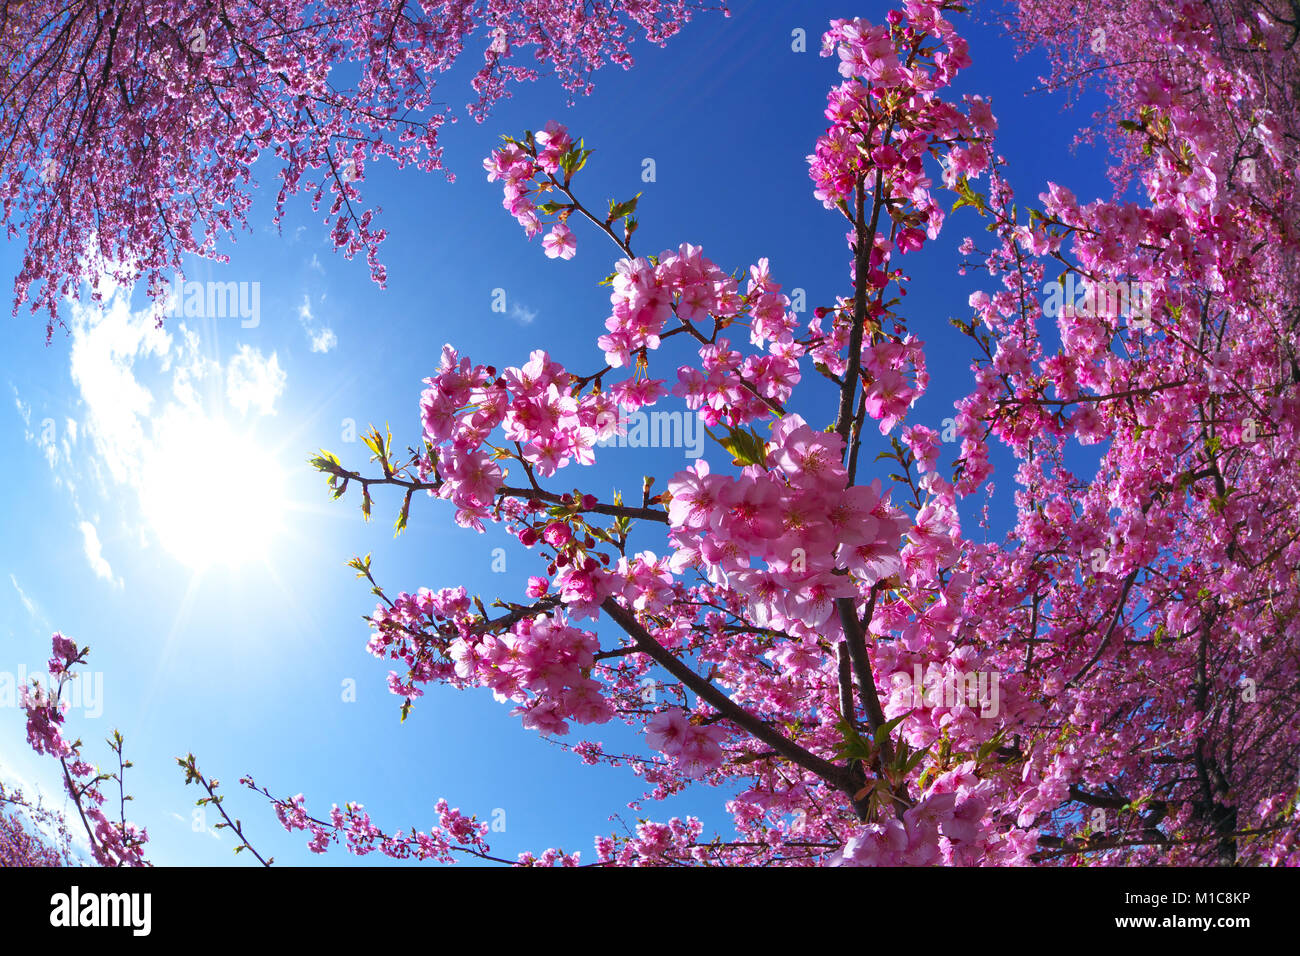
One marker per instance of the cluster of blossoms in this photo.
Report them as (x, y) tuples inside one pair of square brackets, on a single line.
[(1170, 571), (697, 748), (118, 843), (796, 515), (863, 147), (655, 844), (541, 663), (399, 628), (535, 405), (517, 165), (351, 827), (727, 387), (31, 835), (254, 84), (542, 656), (945, 826)]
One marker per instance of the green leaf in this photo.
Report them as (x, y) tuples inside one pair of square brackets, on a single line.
[(989, 746), (745, 445), (852, 746), (884, 730), (400, 525), (915, 759), (326, 461), (968, 197), (617, 210), (573, 160), (374, 441)]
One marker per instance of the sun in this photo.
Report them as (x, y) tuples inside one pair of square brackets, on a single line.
[(211, 495)]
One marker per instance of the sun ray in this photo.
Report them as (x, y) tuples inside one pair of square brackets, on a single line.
[(212, 495)]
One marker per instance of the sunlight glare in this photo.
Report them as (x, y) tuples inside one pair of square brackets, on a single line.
[(211, 495)]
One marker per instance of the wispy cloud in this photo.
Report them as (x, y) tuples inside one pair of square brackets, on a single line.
[(55, 449), (323, 341), (24, 410), (522, 314), (321, 337), (254, 381), (22, 596), (95, 553)]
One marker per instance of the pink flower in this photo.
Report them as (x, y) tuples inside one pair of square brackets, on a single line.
[(557, 534), (668, 731), (560, 242)]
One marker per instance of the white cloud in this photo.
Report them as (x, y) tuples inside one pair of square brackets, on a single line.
[(522, 314), (141, 387), (105, 347), (323, 341), (322, 338), (254, 381), (190, 368), (94, 552)]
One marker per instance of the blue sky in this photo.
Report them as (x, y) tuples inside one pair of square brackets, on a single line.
[(117, 440)]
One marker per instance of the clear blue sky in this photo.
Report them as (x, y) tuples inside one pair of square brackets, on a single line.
[(244, 665)]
